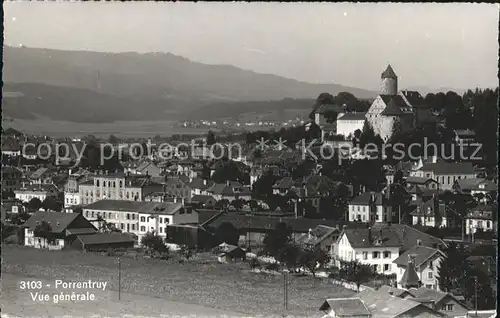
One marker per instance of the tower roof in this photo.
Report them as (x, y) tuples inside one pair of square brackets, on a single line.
[(410, 277), (389, 72)]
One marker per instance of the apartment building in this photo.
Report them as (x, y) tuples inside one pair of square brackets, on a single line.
[(371, 207)]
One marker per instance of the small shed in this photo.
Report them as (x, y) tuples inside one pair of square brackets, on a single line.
[(230, 253)]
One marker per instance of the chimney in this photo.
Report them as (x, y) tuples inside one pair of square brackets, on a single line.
[(309, 234), (175, 199), (419, 242), (204, 182), (227, 182), (182, 200)]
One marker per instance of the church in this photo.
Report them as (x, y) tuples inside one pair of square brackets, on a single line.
[(405, 109)]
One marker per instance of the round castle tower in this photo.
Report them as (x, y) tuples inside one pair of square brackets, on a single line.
[(389, 82)]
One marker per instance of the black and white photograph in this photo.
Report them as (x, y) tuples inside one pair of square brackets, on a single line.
[(249, 159)]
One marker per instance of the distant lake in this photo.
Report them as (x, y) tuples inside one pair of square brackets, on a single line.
[(120, 128)]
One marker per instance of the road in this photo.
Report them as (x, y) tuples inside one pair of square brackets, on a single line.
[(16, 302)]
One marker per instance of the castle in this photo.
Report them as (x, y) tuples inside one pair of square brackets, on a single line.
[(405, 109)]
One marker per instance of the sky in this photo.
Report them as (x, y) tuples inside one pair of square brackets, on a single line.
[(428, 45)]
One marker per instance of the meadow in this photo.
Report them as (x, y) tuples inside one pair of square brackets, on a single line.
[(231, 287)]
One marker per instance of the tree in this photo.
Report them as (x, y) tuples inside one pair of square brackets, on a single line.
[(221, 204), (227, 233), (211, 138), (325, 99), (289, 256), (313, 259), (263, 186), (154, 243), (50, 204), (330, 116), (228, 171), (356, 272), (254, 206), (113, 140), (44, 230), (367, 135), (238, 204), (34, 204), (277, 239)]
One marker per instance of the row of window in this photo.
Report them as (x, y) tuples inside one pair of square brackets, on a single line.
[(109, 184), (128, 216), (161, 230), (376, 255), (128, 194), (378, 267)]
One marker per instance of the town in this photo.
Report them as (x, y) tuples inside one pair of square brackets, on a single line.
[(407, 228)]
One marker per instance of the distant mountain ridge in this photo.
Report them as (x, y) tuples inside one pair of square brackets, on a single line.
[(118, 83)]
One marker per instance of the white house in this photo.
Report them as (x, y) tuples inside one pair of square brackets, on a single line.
[(426, 261), (40, 191), (480, 217), (377, 248), (370, 207), (348, 123), (433, 213)]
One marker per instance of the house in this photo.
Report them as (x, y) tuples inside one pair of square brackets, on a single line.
[(63, 227), (40, 191), (446, 303), (378, 248), (321, 236), (205, 201), (11, 178), (13, 206), (71, 188), (177, 186), (146, 167), (371, 207), (138, 217), (464, 137), (445, 173), (425, 260), (230, 253), (433, 212), (189, 235), (480, 218), (283, 186), (198, 185), (42, 176), (231, 190), (390, 108), (117, 186), (421, 110), (477, 187), (104, 241), (381, 244), (428, 183), (376, 304), (348, 123)]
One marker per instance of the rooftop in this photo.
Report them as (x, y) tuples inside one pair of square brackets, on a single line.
[(135, 206), (420, 255), (389, 72), (58, 221)]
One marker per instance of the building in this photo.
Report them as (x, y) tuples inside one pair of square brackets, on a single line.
[(485, 190), (381, 244), (230, 253), (390, 109), (63, 227), (480, 218), (230, 191), (464, 137), (433, 212), (198, 185), (376, 304), (11, 178), (144, 167), (421, 110), (40, 191), (424, 182), (321, 236), (445, 173), (72, 195), (348, 123), (103, 241), (371, 207), (425, 261), (42, 175), (140, 218), (177, 186), (117, 186)]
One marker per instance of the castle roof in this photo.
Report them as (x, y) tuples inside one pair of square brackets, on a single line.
[(395, 105), (389, 72)]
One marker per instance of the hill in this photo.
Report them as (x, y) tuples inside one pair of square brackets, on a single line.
[(154, 81)]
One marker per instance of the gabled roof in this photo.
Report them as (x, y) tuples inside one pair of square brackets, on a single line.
[(105, 238), (414, 99), (432, 295), (364, 199), (395, 105), (398, 292), (135, 206), (353, 116), (346, 307), (408, 236), (362, 238), (480, 184), (199, 183), (389, 72), (420, 255), (316, 235), (419, 180), (283, 183), (202, 198), (58, 221), (37, 188)]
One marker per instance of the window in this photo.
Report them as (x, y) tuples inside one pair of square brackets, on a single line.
[(449, 307), (480, 224), (387, 254), (121, 226), (133, 216), (128, 216), (133, 227), (161, 220), (375, 254), (161, 230), (358, 208), (167, 221), (143, 219), (364, 217), (387, 267), (97, 183), (92, 213), (376, 217), (143, 229), (127, 195), (430, 275), (488, 224), (114, 184), (449, 179), (365, 255), (104, 214), (364, 209)]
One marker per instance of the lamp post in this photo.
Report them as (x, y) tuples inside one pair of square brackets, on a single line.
[(119, 279)]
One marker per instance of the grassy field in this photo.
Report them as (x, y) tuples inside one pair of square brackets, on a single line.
[(229, 287)]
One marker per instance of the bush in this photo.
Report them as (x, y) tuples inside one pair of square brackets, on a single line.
[(254, 263)]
